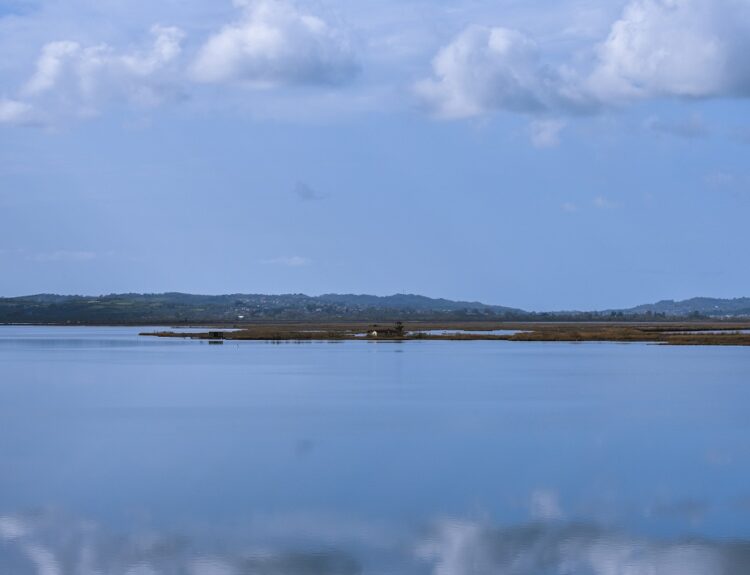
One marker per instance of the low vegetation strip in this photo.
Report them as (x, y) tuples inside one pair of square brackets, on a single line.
[(683, 333)]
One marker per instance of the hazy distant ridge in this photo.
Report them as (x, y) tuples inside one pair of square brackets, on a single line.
[(186, 308), (712, 307), (409, 301), (180, 307)]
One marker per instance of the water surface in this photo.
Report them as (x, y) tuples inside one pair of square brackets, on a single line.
[(469, 331), (128, 455)]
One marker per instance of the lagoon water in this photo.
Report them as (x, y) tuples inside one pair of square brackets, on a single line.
[(469, 331), (121, 454)]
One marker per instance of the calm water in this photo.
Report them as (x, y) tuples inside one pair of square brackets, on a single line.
[(713, 331), (470, 331), (137, 456)]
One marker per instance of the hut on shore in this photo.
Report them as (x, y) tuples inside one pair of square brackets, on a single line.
[(386, 332)]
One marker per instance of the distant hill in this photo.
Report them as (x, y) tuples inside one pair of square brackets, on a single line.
[(705, 306), (181, 308), (409, 301), (188, 308)]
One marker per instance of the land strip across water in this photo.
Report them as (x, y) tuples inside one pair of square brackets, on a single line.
[(669, 333)]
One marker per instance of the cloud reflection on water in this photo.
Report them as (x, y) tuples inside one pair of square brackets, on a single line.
[(463, 548), (49, 544)]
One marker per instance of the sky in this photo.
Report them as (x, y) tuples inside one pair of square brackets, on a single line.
[(536, 154)]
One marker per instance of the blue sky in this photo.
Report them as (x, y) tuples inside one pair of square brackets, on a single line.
[(544, 155)]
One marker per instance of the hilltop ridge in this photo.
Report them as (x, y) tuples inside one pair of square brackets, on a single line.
[(176, 307)]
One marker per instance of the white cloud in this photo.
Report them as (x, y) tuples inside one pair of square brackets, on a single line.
[(70, 75), (288, 261), (567, 64), (676, 48), (546, 133), (485, 69), (167, 46), (658, 48), (51, 66), (721, 179), (276, 44), (605, 203), (65, 256), (14, 112)]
